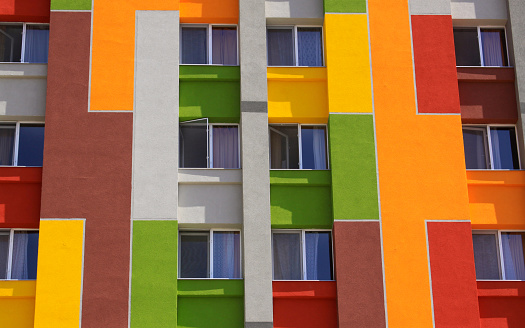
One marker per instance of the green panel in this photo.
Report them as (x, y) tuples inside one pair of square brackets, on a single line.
[(70, 4), (154, 274), (352, 158), (213, 303), (300, 199), (345, 6), (210, 91)]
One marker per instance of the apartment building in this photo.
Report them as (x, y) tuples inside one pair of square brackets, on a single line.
[(250, 163)]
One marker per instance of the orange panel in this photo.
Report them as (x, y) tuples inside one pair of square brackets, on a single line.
[(209, 11)]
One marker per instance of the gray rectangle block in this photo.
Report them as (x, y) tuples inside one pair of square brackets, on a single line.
[(258, 325), (254, 106)]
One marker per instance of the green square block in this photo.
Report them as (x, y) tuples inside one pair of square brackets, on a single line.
[(345, 6), (70, 4)]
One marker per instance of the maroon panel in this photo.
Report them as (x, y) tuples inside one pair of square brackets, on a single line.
[(453, 274), (87, 171), (502, 304), (30, 11), (435, 64), (487, 95), (359, 274)]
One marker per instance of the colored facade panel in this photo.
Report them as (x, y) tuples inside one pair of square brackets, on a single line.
[(211, 92), (353, 167), (345, 6), (209, 11), (435, 64), (17, 303), (71, 4), (348, 63), (29, 11), (359, 274), (154, 274), (454, 291), (501, 303), (60, 268)]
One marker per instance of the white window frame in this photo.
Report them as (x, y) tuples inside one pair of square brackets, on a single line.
[(17, 138), (487, 128), (209, 233), (303, 232), (480, 44), (295, 43), (23, 45), (10, 252), (299, 143), (209, 42)]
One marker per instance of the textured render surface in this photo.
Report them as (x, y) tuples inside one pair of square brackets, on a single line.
[(353, 164), (453, 274), (501, 303), (92, 181), (305, 304), (17, 303), (154, 274), (210, 303), (294, 9), (344, 6), (435, 64), (429, 7), (359, 274), (209, 11), (209, 91), (156, 124), (23, 89), (348, 63), (420, 165), (478, 9), (71, 4), (207, 176), (297, 95), (60, 267), (29, 11)]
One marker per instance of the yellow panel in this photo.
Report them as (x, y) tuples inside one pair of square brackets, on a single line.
[(297, 95), (17, 303), (60, 253), (348, 63)]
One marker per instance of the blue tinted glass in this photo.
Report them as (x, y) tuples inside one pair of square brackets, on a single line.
[(7, 141), (475, 144), (32, 254), (31, 145), (318, 256), (194, 48), (310, 46), (280, 47), (504, 148), (313, 148)]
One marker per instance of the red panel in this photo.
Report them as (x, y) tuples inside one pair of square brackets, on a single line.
[(502, 304), (304, 304), (435, 64), (30, 11), (20, 189), (359, 274), (453, 274)]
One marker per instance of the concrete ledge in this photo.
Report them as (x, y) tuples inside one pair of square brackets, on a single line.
[(210, 176), (23, 70)]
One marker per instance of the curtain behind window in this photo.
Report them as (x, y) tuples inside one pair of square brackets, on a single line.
[(224, 46), (7, 140), (287, 256), (513, 261), (318, 255), (37, 44), (194, 45), (225, 147), (313, 148), (475, 146), (4, 252), (504, 148), (309, 43), (226, 255), (280, 47), (486, 256), (493, 52)]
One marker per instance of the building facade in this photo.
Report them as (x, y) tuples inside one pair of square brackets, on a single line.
[(250, 163)]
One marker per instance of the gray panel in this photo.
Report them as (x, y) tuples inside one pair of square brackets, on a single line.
[(156, 123), (210, 176), (478, 9), (294, 9), (430, 7), (23, 89), (258, 325), (254, 106)]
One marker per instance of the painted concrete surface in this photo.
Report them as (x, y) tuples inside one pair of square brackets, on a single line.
[(156, 128), (294, 9), (23, 89), (17, 303), (429, 7), (478, 9)]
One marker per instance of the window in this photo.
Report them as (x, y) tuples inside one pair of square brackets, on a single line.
[(296, 146), (490, 147), (210, 254), (21, 144), (203, 145), (18, 254), (294, 46), (499, 255), (209, 44), (302, 255), (22, 42), (479, 46)]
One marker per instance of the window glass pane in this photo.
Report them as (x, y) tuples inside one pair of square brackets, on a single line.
[(476, 149), (512, 243), (7, 142), (37, 43), (25, 254), (224, 44), (31, 145), (318, 256), (10, 43), (486, 256), (504, 148), (194, 256), (280, 47), (309, 41), (314, 147), (194, 45), (287, 256), (467, 47), (225, 147), (193, 146), (284, 147), (226, 255), (4, 252), (494, 47)]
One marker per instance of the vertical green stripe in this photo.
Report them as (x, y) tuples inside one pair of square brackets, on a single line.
[(154, 274), (70, 4), (353, 163), (345, 6)]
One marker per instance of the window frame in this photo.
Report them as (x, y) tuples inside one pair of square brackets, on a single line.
[(9, 264), (487, 128), (300, 144), (480, 44), (209, 232), (302, 233), (16, 147), (23, 44), (209, 42), (296, 43)]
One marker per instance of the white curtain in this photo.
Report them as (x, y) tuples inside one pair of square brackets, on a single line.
[(194, 46), (496, 152), (280, 47), (310, 47), (7, 139), (225, 147), (287, 256), (19, 266), (226, 255), (513, 256), (319, 144), (37, 44), (312, 255), (492, 48), (224, 44)]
